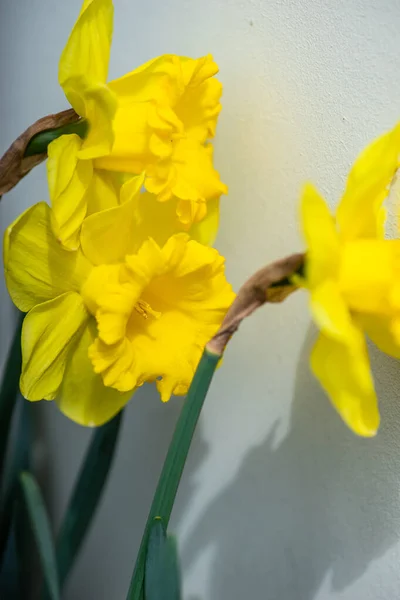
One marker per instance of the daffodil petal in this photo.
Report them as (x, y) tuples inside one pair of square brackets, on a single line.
[(205, 231), (109, 235), (69, 179), (321, 237), (199, 106), (100, 107), (83, 397), (158, 80), (331, 312), (380, 330), (196, 71), (87, 52), (49, 332), (188, 174), (37, 268), (103, 192), (131, 188), (344, 372), (62, 158), (360, 213)]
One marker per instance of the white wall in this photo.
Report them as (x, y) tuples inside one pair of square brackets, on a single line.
[(278, 500)]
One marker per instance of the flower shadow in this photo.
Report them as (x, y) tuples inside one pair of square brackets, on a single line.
[(320, 505)]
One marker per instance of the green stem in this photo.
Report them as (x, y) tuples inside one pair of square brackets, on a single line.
[(174, 463), (38, 144)]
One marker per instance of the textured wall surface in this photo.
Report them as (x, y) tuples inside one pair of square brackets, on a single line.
[(278, 500)]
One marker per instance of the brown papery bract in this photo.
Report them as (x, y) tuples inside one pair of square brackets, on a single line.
[(14, 165), (262, 287)]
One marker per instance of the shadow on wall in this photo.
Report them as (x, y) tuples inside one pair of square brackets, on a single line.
[(323, 501)]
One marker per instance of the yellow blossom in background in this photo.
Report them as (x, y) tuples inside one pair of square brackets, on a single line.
[(353, 276), (122, 310), (156, 119)]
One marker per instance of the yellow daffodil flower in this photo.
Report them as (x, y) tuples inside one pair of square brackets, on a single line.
[(167, 112), (122, 310), (157, 119), (353, 276)]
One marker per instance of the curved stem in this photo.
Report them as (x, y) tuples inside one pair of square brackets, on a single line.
[(174, 463)]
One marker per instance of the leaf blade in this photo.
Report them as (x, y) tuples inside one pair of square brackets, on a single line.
[(9, 392), (161, 569), (40, 525), (9, 389)]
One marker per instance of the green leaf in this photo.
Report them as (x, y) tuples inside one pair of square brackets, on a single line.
[(40, 141), (9, 389), (86, 494), (15, 538), (18, 460), (26, 557), (174, 463), (10, 577), (161, 578), (40, 525)]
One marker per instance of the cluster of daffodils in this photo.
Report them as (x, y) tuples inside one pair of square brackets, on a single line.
[(117, 276)]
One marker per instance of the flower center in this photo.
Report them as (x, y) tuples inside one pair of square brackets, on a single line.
[(144, 309)]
